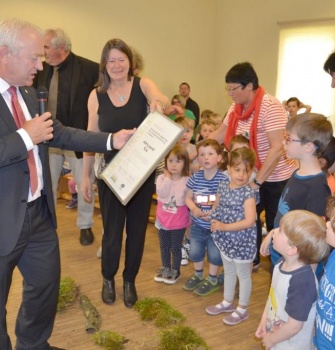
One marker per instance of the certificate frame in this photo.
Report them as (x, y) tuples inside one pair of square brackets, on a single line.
[(139, 157)]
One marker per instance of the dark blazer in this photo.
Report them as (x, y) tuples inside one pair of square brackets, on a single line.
[(14, 171), (85, 75)]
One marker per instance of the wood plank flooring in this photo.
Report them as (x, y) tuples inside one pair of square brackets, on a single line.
[(83, 266)]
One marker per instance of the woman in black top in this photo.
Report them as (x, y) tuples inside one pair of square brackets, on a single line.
[(120, 102)]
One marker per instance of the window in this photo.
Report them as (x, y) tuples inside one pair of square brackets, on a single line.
[(303, 49)]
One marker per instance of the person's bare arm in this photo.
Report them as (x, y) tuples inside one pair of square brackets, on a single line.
[(275, 152), (286, 331), (157, 100)]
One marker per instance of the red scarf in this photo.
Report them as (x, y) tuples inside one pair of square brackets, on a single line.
[(237, 115)]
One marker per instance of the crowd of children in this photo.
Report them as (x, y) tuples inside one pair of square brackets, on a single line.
[(205, 200)]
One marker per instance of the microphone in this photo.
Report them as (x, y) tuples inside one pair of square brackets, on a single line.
[(42, 98)]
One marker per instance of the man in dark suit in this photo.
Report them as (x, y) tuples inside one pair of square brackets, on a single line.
[(77, 77), (28, 238)]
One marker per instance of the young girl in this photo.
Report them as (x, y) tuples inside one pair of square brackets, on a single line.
[(172, 216), (233, 226)]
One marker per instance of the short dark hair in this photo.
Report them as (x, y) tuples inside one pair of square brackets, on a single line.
[(184, 83), (329, 65), (243, 73), (209, 143), (293, 99)]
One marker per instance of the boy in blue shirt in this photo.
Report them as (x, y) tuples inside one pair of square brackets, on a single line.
[(307, 136), (200, 197)]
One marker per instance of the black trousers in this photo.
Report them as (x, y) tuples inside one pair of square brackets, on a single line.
[(37, 257), (269, 193), (114, 216)]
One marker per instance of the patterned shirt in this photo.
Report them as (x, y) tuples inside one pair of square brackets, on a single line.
[(204, 193), (272, 117)]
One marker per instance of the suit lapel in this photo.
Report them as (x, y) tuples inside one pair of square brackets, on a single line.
[(6, 115), (30, 100)]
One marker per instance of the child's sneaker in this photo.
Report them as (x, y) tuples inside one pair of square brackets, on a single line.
[(172, 277), (193, 282), (206, 288), (161, 274), (73, 203), (184, 257)]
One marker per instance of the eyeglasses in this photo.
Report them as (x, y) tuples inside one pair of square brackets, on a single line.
[(288, 139), (233, 89)]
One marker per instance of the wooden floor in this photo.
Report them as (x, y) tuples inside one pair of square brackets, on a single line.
[(83, 266)]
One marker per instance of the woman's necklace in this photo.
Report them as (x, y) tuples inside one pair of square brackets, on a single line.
[(121, 97)]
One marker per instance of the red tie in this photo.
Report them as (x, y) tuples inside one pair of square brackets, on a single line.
[(20, 120)]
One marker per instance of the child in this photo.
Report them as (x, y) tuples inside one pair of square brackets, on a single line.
[(233, 226), (293, 105), (288, 319), (307, 136), (200, 197), (327, 164), (325, 321), (207, 127), (236, 142), (172, 216), (185, 141), (205, 114), (217, 119)]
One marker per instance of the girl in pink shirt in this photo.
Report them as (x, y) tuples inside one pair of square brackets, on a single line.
[(172, 216)]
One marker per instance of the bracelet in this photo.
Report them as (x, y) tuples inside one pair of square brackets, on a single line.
[(257, 183), (162, 105)]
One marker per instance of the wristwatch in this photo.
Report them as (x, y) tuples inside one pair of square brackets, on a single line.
[(257, 183)]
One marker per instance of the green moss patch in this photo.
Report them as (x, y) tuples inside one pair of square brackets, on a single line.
[(68, 292), (158, 311), (109, 340), (181, 338)]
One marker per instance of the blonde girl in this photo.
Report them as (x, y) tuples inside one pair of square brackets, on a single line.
[(233, 226)]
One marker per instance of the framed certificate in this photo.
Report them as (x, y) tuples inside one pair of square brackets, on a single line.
[(140, 156)]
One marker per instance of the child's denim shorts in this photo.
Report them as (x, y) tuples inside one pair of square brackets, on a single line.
[(201, 240)]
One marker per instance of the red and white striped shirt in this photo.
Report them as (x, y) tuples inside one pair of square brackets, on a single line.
[(272, 116)]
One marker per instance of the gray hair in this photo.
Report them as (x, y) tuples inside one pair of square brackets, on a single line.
[(10, 29), (59, 37)]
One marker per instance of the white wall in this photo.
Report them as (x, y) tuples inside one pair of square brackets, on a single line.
[(175, 37), (249, 31), (191, 40)]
